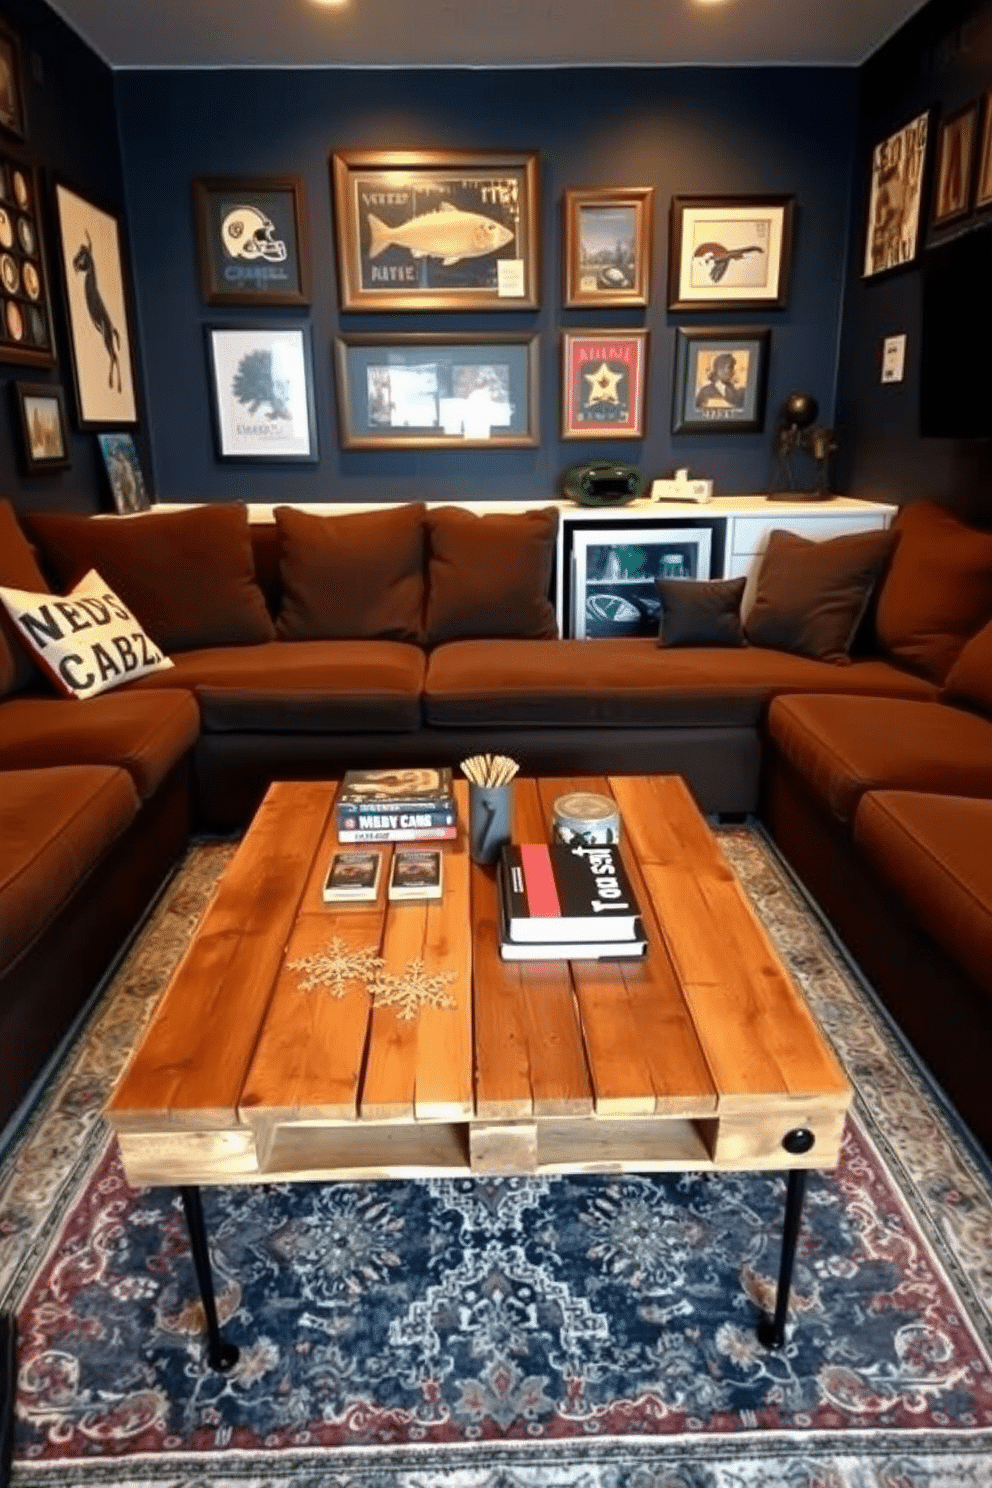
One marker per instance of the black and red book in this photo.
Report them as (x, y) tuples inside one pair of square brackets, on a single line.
[(576, 894)]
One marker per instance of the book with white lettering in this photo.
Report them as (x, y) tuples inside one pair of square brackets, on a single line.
[(353, 876), (416, 873), (577, 894), (398, 834), (567, 950)]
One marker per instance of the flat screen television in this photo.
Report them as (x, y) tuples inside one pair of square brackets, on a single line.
[(956, 338)]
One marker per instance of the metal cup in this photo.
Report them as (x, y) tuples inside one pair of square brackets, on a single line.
[(490, 820)]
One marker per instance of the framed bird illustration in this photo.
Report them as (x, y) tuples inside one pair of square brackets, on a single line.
[(730, 252)]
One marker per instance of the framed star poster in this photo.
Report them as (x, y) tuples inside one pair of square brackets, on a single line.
[(603, 376), (729, 252)]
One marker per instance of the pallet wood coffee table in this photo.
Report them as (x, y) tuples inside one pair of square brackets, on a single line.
[(701, 1056)]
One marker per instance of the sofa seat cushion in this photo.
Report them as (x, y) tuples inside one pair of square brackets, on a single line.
[(845, 746), (933, 851), (308, 687), (630, 681), (55, 826), (144, 733)]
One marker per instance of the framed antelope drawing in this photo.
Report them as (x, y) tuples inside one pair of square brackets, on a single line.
[(96, 297)]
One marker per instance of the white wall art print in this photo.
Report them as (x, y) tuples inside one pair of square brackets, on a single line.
[(263, 393)]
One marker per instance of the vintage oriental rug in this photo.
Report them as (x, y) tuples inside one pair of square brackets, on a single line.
[(593, 1332)]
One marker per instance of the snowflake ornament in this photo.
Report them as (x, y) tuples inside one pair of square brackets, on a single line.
[(337, 967), (415, 988)]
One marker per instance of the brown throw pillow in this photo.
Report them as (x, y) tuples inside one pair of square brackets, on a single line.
[(811, 595), (354, 577), (18, 570), (701, 612), (937, 592), (489, 576), (188, 576)]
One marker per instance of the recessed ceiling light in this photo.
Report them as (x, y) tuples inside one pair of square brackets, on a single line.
[(330, 2)]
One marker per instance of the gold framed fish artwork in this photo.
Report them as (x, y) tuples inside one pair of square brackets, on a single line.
[(437, 229)]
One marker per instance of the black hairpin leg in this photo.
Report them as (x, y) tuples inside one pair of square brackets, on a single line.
[(8, 1391), (771, 1331), (221, 1355)]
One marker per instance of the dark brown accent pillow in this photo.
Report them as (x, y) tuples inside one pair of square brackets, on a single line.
[(970, 679), (811, 595), (489, 576), (354, 577), (188, 576), (938, 590), (18, 570), (701, 612)]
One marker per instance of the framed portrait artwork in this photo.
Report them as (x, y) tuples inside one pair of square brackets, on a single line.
[(252, 240), (954, 166), (11, 93), (729, 252), (127, 483), (263, 403), (893, 228), (440, 391), (97, 299), (41, 407), (25, 309), (720, 380), (607, 236), (603, 377), (983, 182), (436, 229)]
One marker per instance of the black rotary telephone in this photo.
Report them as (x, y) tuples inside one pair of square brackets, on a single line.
[(602, 483)]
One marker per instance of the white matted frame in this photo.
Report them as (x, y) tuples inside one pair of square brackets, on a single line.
[(262, 384), (614, 573)]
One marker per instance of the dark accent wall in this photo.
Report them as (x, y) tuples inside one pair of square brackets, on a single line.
[(940, 60), (72, 136), (686, 131)]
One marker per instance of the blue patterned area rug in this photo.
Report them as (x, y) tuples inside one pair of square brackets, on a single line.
[(589, 1332)]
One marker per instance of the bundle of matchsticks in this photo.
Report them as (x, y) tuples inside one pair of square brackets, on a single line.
[(490, 769)]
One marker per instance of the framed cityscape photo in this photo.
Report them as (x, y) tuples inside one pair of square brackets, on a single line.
[(607, 236), (720, 379), (437, 391), (41, 407), (603, 377), (262, 379), (252, 237), (954, 166), (11, 93), (730, 252), (983, 183), (25, 309), (127, 483), (893, 229), (437, 229), (97, 298)]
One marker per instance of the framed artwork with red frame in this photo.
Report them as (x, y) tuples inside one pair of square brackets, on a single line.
[(603, 380)]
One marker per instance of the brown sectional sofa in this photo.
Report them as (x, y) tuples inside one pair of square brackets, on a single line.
[(307, 644)]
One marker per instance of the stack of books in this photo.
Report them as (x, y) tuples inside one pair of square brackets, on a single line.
[(402, 805), (567, 904)]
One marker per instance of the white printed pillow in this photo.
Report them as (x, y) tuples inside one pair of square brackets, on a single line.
[(87, 641)]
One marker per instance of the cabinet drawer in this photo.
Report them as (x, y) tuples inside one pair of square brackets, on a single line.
[(751, 533)]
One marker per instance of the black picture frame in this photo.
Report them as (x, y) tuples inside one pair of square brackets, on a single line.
[(261, 379), (11, 88), (730, 252), (26, 334), (43, 424), (704, 401), (252, 237)]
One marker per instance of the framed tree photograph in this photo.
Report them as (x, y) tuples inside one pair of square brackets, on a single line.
[(252, 237), (25, 309), (437, 229), (41, 408), (127, 483), (721, 375), (607, 236), (11, 93), (730, 252), (94, 277), (983, 183), (603, 378), (437, 391), (954, 166), (893, 228), (263, 403)]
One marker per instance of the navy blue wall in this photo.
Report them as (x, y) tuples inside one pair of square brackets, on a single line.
[(686, 131), (72, 136), (941, 60)]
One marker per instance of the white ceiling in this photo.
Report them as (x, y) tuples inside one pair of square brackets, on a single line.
[(482, 33)]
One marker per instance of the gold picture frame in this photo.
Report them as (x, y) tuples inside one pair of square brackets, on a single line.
[(954, 166), (607, 232)]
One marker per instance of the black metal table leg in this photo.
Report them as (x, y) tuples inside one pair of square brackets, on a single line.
[(8, 1392), (221, 1355), (771, 1331)]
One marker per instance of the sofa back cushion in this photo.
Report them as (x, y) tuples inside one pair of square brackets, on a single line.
[(810, 596), (937, 592), (18, 570), (188, 576), (489, 577), (970, 679), (353, 577)]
